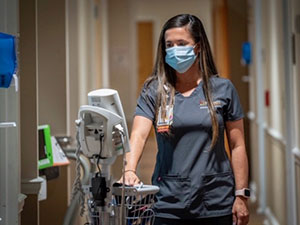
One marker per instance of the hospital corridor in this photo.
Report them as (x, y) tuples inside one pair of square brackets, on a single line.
[(72, 73)]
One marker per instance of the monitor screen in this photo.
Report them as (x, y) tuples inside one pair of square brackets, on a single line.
[(45, 147)]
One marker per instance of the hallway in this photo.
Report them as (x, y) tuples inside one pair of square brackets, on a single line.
[(63, 49)]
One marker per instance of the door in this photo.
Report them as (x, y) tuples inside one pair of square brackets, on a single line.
[(144, 51)]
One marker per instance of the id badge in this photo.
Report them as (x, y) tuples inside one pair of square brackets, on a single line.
[(163, 124)]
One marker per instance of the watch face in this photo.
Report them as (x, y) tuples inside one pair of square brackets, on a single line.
[(247, 192)]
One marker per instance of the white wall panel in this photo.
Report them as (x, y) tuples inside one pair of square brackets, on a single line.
[(9, 137)]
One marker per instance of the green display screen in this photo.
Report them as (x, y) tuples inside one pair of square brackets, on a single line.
[(45, 147)]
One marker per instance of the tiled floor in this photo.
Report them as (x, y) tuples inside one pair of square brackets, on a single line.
[(146, 167)]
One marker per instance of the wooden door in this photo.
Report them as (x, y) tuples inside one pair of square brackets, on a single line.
[(144, 52)]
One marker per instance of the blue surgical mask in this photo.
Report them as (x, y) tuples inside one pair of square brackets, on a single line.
[(180, 58)]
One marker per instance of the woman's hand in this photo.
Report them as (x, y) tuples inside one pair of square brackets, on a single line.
[(130, 178), (240, 212)]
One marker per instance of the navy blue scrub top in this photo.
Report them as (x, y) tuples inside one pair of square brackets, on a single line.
[(195, 181)]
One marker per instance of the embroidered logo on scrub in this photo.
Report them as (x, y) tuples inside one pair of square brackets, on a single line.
[(203, 104), (163, 124)]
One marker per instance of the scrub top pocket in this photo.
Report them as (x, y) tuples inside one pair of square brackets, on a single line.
[(174, 193), (218, 191)]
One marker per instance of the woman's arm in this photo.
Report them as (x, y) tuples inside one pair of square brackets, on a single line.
[(239, 162), (140, 130)]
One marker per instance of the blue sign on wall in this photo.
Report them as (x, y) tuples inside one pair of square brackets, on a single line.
[(8, 61), (246, 53)]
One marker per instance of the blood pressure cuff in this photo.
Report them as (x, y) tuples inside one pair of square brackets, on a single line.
[(8, 62)]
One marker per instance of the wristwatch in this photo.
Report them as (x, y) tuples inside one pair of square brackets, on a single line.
[(245, 192)]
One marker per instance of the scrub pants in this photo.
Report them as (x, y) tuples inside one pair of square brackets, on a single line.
[(222, 220)]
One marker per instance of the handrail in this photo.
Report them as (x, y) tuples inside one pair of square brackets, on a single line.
[(7, 124)]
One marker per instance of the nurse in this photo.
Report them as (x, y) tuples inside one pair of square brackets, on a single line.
[(190, 107)]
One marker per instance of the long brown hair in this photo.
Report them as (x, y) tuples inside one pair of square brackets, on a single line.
[(166, 76)]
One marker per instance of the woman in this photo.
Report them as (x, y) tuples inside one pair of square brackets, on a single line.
[(190, 107)]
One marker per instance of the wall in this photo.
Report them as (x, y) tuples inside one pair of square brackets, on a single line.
[(295, 26), (252, 113), (274, 167), (9, 137), (52, 65), (83, 65), (161, 11), (294, 13), (237, 35), (52, 99), (275, 141), (88, 69), (58, 40), (29, 110), (72, 66)]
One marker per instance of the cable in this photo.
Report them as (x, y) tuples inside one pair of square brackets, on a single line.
[(101, 137), (77, 185)]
